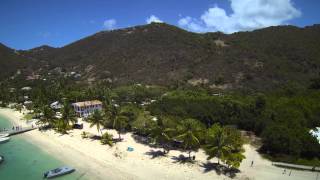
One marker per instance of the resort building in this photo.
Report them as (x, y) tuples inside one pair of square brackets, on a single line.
[(84, 109)]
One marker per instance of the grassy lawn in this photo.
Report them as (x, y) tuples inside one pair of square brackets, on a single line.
[(28, 116)]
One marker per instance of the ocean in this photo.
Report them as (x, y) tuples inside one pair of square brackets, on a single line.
[(25, 161)]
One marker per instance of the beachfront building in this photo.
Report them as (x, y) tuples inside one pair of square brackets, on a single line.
[(84, 109)]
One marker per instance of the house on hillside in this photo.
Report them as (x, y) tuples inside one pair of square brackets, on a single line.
[(84, 109), (26, 88), (56, 105)]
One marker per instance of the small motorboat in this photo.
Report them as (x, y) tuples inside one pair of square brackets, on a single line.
[(4, 139), (4, 135), (1, 159), (58, 172)]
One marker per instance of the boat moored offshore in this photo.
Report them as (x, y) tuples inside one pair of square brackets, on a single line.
[(1, 159), (58, 172), (4, 135), (4, 139)]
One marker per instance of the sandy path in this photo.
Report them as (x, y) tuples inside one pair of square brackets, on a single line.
[(264, 170)]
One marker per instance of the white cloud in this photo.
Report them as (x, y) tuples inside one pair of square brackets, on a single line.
[(109, 24), (153, 18), (192, 24), (246, 15)]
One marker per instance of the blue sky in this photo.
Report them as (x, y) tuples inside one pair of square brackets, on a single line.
[(31, 23)]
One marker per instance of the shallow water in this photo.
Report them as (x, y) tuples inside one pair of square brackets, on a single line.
[(26, 161)]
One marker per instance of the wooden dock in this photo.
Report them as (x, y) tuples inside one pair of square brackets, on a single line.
[(18, 131)]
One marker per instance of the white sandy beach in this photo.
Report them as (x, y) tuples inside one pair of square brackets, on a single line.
[(99, 161)]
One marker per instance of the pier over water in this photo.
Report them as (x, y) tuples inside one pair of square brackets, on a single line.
[(17, 131)]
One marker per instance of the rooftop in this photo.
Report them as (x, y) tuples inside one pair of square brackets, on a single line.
[(87, 103)]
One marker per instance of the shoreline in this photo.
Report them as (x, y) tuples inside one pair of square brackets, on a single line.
[(97, 161), (88, 167)]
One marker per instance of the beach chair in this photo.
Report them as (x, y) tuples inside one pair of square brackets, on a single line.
[(130, 149)]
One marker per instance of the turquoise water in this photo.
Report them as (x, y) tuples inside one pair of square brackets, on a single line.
[(25, 161)]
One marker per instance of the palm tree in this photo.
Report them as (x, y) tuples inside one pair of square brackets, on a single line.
[(234, 159), (114, 118), (110, 114), (61, 126), (120, 123), (47, 115), (107, 139), (96, 119), (84, 134), (160, 135), (226, 144), (218, 145), (68, 115), (105, 95), (189, 132)]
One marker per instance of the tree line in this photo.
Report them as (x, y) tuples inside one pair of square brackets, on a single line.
[(189, 118)]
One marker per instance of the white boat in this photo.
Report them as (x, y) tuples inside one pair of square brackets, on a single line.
[(58, 172), (4, 135), (4, 139), (1, 159)]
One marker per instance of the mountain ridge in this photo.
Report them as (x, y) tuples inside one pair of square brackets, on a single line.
[(164, 54)]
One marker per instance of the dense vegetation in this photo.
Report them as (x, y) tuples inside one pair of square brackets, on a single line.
[(10, 62), (126, 109), (189, 118), (282, 120)]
